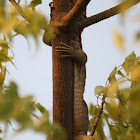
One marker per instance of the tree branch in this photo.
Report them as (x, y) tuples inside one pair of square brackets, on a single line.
[(75, 11), (98, 117), (18, 8), (108, 13)]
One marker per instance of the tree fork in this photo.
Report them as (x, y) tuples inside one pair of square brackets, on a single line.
[(63, 73)]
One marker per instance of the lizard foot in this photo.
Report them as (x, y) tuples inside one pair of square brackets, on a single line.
[(83, 137), (69, 50)]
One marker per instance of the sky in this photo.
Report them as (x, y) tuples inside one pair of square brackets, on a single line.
[(34, 70)]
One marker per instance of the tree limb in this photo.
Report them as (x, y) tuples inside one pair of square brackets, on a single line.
[(98, 117), (18, 8), (75, 11), (108, 13)]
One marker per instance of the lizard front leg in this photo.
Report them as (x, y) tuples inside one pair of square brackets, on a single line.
[(77, 54)]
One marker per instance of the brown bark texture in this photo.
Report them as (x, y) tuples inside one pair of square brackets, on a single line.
[(63, 73), (66, 29)]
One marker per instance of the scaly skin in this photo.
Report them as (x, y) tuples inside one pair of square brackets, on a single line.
[(81, 120)]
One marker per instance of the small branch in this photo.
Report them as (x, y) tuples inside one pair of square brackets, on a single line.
[(18, 8), (108, 13), (98, 117), (76, 10)]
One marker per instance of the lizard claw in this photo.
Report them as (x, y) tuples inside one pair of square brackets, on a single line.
[(64, 56), (65, 45), (60, 48), (64, 48)]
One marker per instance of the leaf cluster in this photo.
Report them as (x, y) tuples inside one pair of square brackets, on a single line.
[(12, 107), (4, 58), (26, 22), (121, 110), (22, 110)]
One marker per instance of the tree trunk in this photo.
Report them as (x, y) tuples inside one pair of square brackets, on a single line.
[(63, 72)]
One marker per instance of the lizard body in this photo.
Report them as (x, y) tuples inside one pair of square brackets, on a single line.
[(81, 120)]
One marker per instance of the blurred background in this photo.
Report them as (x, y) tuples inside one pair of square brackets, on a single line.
[(33, 72)]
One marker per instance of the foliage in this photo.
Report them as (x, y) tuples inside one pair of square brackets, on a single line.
[(13, 24), (122, 94), (21, 110), (122, 103), (13, 108)]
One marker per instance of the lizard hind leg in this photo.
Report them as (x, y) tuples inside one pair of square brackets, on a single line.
[(84, 137)]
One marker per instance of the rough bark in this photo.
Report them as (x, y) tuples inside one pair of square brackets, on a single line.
[(63, 73)]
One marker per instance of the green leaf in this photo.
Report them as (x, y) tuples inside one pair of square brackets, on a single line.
[(2, 2), (24, 119), (118, 39), (91, 122), (34, 3), (124, 94), (135, 73), (113, 89), (120, 73), (4, 58), (93, 110), (112, 75), (42, 109), (130, 62), (99, 90), (12, 91), (122, 130), (112, 110), (4, 45), (6, 108), (2, 78), (137, 37), (110, 128), (100, 130)]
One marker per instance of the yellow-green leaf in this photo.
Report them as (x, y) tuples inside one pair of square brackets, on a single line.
[(99, 90), (118, 39), (130, 62), (42, 110), (135, 73)]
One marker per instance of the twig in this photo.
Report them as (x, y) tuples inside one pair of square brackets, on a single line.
[(18, 8), (98, 117)]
